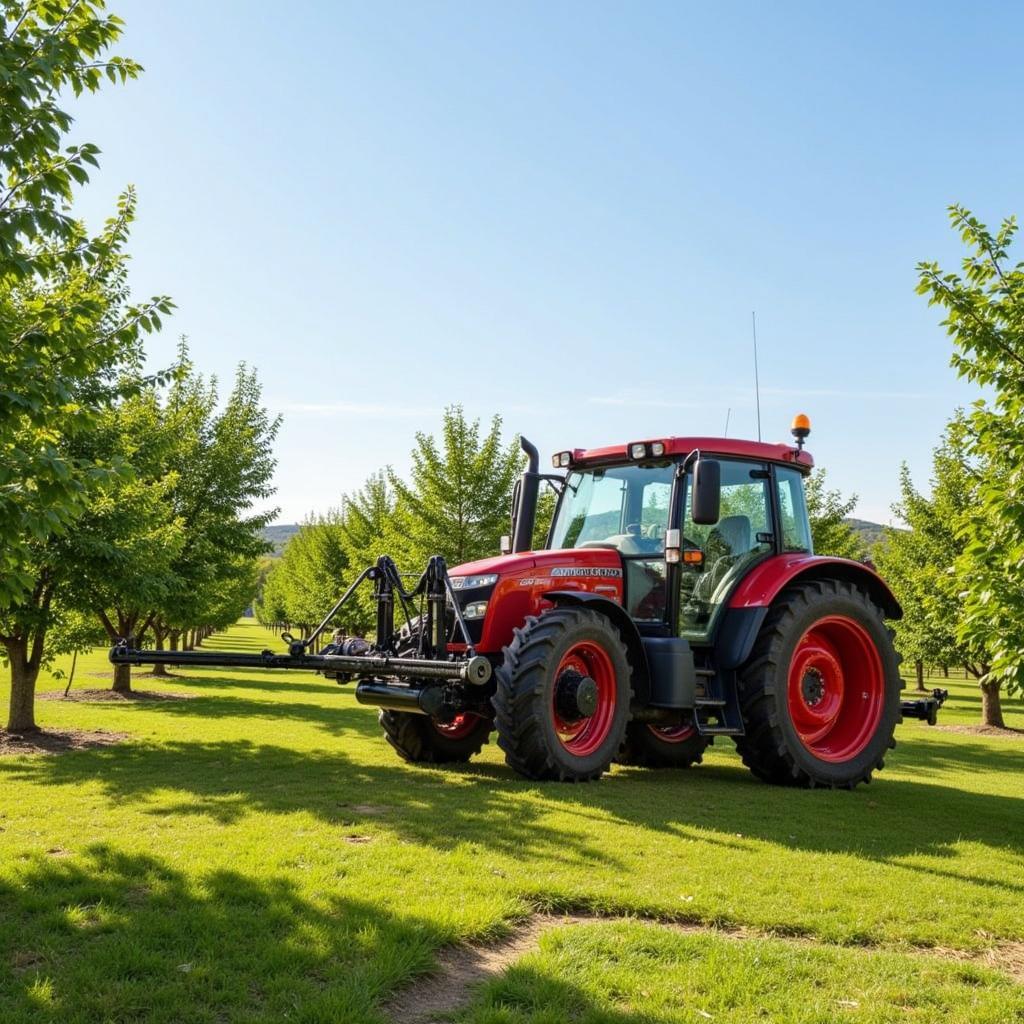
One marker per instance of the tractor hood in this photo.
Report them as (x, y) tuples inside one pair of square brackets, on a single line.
[(521, 584), (561, 564)]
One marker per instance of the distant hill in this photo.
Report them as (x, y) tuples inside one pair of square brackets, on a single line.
[(869, 533), (279, 534)]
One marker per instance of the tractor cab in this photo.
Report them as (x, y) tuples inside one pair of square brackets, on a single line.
[(683, 546)]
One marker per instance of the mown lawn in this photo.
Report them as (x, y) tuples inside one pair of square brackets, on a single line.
[(258, 853)]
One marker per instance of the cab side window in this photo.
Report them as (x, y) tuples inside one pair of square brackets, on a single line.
[(796, 529), (741, 536)]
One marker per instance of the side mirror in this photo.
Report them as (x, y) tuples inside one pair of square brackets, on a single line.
[(706, 492)]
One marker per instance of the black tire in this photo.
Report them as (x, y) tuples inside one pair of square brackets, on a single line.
[(643, 746), (526, 687), (772, 747), (420, 738)]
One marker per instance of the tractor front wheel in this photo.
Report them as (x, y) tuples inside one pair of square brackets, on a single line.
[(663, 746), (421, 738), (820, 693), (563, 696)]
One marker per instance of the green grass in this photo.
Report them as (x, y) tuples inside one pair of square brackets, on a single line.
[(258, 853), (629, 973)]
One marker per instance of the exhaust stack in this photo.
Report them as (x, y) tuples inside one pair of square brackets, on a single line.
[(526, 506)]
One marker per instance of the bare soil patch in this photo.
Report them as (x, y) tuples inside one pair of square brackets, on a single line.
[(56, 741), (1007, 957), (133, 696), (983, 730), (371, 810)]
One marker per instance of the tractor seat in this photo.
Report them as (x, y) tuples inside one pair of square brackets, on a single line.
[(730, 537), (726, 546)]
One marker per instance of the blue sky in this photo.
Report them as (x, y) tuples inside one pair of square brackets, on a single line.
[(565, 214)]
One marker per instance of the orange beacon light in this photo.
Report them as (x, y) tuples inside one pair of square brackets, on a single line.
[(800, 429)]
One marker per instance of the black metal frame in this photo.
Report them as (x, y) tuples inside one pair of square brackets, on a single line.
[(426, 679)]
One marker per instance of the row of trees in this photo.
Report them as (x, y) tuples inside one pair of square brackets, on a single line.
[(124, 498)]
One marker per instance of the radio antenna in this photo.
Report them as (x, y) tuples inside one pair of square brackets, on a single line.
[(728, 413), (757, 383)]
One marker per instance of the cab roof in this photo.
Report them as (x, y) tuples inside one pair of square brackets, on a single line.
[(761, 451)]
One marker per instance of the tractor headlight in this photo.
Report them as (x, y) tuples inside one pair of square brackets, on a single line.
[(475, 610), (472, 582)]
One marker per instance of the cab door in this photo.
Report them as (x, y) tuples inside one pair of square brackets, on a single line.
[(719, 556)]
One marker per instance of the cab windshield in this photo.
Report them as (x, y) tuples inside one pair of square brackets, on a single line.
[(623, 507)]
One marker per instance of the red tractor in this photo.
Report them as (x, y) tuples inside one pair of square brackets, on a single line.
[(677, 599)]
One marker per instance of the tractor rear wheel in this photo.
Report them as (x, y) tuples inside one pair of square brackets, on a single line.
[(563, 696), (663, 746), (820, 693), (422, 738)]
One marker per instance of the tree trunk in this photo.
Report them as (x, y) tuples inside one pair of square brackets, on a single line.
[(21, 715), (945, 671), (175, 635), (122, 679), (919, 670), (992, 705), (158, 635), (71, 674)]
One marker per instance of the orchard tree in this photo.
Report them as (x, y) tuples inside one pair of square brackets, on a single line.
[(984, 314), (827, 511), (221, 463), (224, 467), (923, 564), (120, 559), (67, 328), (368, 529), (457, 500)]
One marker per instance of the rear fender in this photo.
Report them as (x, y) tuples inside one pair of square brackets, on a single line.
[(751, 600), (626, 627)]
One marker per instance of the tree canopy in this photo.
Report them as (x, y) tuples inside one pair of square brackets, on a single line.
[(456, 503), (827, 511), (923, 563), (70, 336), (984, 315)]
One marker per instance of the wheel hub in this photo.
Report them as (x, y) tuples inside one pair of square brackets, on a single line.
[(813, 687), (575, 696)]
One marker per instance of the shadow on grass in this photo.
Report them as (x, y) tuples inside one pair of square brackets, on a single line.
[(486, 804), (525, 994), (117, 936)]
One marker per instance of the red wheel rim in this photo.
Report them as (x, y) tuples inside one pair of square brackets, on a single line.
[(836, 689), (673, 733), (585, 736), (459, 727)]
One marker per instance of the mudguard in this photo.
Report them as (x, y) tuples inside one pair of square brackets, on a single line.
[(751, 600)]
